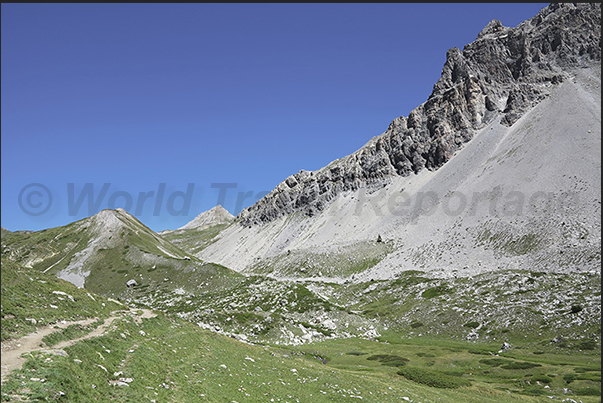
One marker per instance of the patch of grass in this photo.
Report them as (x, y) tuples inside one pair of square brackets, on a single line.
[(494, 362), (520, 365), (587, 391), (590, 376), (70, 333), (587, 369), (389, 359), (479, 351), (533, 391), (541, 379), (587, 345), (31, 299), (433, 378), (435, 291)]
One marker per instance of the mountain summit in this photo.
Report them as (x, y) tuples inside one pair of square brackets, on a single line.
[(215, 216)]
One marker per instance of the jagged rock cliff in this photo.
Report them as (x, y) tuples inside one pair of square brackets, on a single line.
[(505, 71)]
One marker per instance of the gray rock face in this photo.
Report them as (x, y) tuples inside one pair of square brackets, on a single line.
[(503, 73)]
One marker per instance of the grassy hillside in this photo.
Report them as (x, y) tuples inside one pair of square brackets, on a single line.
[(194, 240), (31, 299), (107, 250)]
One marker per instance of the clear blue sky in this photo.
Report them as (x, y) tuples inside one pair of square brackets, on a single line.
[(140, 95)]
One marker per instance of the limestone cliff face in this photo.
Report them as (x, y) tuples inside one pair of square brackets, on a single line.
[(503, 73)]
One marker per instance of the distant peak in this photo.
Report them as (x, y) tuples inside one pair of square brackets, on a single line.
[(214, 216), (112, 218), (218, 208)]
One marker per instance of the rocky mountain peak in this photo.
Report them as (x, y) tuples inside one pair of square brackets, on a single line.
[(501, 75), (215, 216), (108, 220), (493, 27)]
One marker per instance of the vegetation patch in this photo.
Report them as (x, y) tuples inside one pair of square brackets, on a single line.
[(70, 333), (494, 362), (435, 291), (520, 365), (389, 360), (433, 378), (541, 379), (416, 324), (587, 391), (587, 345)]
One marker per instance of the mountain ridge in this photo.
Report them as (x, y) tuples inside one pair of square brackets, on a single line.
[(107, 250), (551, 94), (505, 71)]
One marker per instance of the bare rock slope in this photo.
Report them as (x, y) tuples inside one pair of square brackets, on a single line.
[(506, 71), (499, 168)]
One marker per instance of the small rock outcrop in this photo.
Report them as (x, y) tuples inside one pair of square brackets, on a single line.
[(503, 73)]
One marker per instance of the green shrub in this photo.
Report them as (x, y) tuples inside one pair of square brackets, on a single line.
[(494, 362), (520, 365), (591, 376), (356, 353), (586, 369), (541, 379), (575, 308), (569, 378), (587, 345), (416, 324), (377, 357), (434, 291), (472, 325), (433, 378), (389, 360), (587, 391)]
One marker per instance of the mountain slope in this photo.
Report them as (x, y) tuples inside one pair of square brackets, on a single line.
[(503, 73), (112, 249), (513, 180), (31, 299), (109, 249), (201, 231), (215, 216)]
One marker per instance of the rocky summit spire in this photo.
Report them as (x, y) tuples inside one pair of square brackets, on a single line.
[(501, 75)]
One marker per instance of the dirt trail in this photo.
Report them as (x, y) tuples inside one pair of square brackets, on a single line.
[(13, 349)]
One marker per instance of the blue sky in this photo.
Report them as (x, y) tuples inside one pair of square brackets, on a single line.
[(118, 104)]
